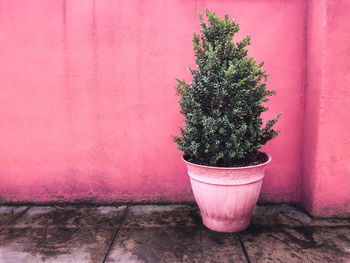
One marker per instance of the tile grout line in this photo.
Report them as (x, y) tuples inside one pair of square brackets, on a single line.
[(243, 248), (14, 219), (116, 234)]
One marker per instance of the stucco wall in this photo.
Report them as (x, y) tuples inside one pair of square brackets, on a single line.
[(326, 146), (87, 99)]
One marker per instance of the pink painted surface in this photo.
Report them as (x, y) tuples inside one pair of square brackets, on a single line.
[(226, 197), (326, 153), (87, 100)]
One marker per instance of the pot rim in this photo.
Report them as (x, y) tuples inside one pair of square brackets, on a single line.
[(230, 168)]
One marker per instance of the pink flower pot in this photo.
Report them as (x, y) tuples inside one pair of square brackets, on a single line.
[(226, 196)]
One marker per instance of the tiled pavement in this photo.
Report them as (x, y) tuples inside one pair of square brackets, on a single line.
[(165, 233)]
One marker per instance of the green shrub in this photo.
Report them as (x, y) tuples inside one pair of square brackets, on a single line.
[(223, 103)]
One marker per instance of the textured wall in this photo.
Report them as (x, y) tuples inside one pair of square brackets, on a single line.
[(87, 100), (326, 178)]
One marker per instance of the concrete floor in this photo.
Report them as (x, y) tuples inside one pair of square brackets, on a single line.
[(165, 233)]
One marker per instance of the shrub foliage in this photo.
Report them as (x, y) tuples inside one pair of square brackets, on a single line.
[(223, 103)]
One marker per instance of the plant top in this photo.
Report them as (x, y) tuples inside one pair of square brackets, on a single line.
[(223, 103)]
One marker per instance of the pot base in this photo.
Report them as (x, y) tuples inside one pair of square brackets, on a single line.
[(224, 226)]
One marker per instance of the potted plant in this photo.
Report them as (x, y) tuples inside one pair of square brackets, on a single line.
[(223, 129)]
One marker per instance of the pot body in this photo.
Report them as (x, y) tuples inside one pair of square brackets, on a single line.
[(226, 196)]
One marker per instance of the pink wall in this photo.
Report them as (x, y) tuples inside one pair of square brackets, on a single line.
[(87, 99), (326, 178)]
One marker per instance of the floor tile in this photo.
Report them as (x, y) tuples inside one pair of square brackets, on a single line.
[(297, 244), (9, 213), (71, 216), (171, 234), (36, 245), (160, 216), (174, 244), (283, 215)]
